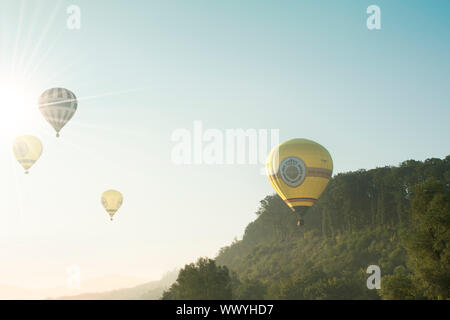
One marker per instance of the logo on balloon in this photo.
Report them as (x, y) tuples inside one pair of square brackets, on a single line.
[(293, 171)]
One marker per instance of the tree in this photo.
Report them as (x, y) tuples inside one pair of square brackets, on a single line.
[(398, 287), (428, 244), (203, 280), (250, 290)]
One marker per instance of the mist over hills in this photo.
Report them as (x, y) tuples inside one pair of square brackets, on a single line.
[(148, 291), (100, 284)]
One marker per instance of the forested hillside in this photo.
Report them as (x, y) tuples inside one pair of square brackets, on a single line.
[(395, 217), (363, 218)]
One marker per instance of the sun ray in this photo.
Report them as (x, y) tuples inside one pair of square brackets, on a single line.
[(4, 45), (112, 93), (106, 94), (29, 37), (45, 55), (18, 36), (63, 71), (42, 37)]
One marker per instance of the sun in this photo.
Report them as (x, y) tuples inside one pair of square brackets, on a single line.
[(15, 107)]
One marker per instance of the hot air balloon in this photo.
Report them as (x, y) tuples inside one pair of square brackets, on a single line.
[(27, 150), (112, 201), (58, 105), (299, 171)]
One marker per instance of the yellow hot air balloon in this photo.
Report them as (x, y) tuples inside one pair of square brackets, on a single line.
[(299, 171), (112, 201), (27, 150)]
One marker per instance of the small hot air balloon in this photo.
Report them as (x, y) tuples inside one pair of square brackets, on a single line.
[(27, 150), (299, 171), (112, 201), (58, 105)]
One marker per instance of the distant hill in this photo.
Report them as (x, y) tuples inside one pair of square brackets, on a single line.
[(11, 292), (147, 291), (101, 284)]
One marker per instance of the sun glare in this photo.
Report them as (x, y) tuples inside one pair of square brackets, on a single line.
[(15, 105)]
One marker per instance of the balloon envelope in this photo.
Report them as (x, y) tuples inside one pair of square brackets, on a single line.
[(112, 200), (58, 105), (27, 150), (299, 171)]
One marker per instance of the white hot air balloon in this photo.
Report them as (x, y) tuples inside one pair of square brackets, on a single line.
[(58, 105)]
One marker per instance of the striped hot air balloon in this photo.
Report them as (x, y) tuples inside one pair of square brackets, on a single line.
[(58, 105)]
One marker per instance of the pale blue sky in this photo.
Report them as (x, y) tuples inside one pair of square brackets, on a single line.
[(311, 69)]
